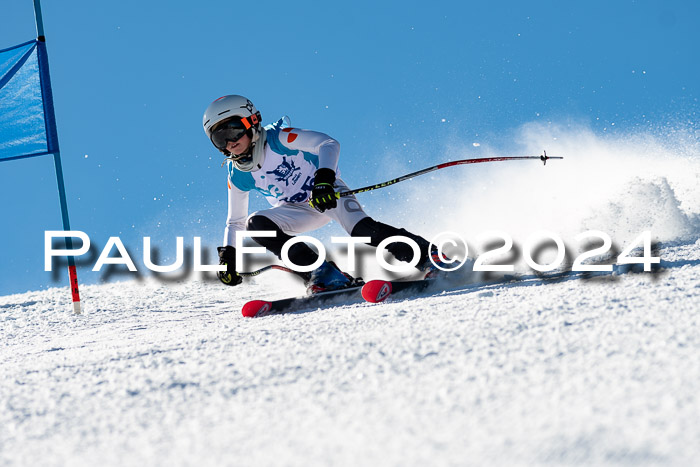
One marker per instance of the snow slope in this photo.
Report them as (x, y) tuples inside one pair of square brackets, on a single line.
[(578, 371), (599, 371)]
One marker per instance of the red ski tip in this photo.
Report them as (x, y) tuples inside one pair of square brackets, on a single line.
[(252, 308), (376, 291)]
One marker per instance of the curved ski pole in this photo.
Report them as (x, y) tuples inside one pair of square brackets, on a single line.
[(544, 158), (266, 268)]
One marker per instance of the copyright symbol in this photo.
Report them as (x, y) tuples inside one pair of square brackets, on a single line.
[(445, 238)]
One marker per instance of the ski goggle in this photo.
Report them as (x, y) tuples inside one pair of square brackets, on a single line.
[(228, 131)]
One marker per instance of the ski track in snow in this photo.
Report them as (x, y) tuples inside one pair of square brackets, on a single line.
[(601, 371)]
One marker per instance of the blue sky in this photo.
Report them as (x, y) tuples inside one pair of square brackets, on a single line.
[(391, 81)]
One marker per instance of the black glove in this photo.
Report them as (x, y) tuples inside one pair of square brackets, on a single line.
[(227, 256), (323, 195)]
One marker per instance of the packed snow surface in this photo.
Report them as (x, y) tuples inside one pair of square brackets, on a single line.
[(574, 371), (592, 371)]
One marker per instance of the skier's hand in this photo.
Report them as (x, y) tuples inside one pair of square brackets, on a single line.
[(323, 195), (227, 256)]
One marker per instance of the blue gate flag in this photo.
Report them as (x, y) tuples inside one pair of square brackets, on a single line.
[(24, 125), (28, 120)]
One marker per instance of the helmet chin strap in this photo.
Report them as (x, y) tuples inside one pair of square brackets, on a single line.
[(253, 159), (240, 157), (233, 157)]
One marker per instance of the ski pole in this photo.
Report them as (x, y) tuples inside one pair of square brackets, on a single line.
[(266, 268), (544, 158)]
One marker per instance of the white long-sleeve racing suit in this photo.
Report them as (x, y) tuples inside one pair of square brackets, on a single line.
[(286, 179)]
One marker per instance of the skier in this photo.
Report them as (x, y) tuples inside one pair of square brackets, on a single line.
[(297, 171)]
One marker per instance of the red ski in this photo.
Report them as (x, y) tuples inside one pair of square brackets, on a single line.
[(257, 308), (379, 290)]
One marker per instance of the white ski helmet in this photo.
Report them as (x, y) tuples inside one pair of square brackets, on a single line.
[(236, 108)]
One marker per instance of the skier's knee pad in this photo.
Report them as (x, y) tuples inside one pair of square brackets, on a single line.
[(379, 232), (368, 227), (299, 253), (261, 223)]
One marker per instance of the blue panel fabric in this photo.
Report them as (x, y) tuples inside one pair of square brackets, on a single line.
[(23, 125)]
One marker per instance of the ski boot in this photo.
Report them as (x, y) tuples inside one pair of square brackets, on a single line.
[(429, 268), (328, 277)]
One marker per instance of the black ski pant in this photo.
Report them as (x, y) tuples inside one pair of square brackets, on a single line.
[(302, 255)]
